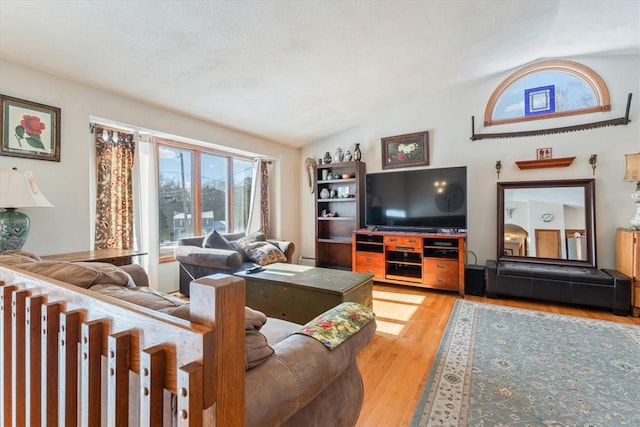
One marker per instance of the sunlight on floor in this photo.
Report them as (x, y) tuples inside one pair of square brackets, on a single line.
[(390, 328), (405, 298), (393, 310)]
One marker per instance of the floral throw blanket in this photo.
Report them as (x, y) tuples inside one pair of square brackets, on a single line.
[(334, 326)]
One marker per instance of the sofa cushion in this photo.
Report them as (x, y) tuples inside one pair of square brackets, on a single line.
[(264, 253), (215, 240), (82, 274), (14, 258), (142, 295)]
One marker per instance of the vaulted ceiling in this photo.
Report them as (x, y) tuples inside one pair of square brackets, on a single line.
[(295, 72)]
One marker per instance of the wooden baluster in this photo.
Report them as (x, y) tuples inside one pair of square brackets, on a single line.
[(69, 337), (5, 353), (49, 381), (190, 395), (118, 379), (18, 387), (33, 357), (152, 370), (90, 381)]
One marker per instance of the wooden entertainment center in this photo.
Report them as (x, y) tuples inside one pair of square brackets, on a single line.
[(428, 260)]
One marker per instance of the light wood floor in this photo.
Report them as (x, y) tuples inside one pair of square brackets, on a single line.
[(411, 321)]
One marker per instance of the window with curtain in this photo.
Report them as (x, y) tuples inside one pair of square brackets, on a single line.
[(200, 191)]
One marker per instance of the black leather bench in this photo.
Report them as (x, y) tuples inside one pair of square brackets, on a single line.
[(570, 284)]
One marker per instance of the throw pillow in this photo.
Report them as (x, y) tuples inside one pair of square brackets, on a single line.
[(256, 346), (239, 245), (264, 253), (215, 240)]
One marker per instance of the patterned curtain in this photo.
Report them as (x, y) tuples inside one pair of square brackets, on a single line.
[(264, 196), (114, 206), (259, 209)]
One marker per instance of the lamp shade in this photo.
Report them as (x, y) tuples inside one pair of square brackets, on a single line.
[(632, 170), (18, 189)]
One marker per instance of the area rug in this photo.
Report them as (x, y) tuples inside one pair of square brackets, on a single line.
[(503, 366)]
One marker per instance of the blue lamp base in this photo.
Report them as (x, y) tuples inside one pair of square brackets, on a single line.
[(14, 229)]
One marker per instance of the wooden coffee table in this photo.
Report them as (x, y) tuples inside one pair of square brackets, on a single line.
[(299, 293)]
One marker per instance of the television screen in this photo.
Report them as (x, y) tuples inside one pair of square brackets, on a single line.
[(428, 200)]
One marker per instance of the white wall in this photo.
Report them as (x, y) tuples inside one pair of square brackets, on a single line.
[(448, 120), (67, 184)]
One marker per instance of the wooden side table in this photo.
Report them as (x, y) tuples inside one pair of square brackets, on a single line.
[(111, 256), (628, 262)]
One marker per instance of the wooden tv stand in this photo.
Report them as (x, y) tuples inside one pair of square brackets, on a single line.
[(427, 260)]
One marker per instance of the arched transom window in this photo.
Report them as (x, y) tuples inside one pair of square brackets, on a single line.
[(547, 89)]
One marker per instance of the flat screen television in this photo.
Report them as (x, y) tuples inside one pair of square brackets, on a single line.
[(425, 200)]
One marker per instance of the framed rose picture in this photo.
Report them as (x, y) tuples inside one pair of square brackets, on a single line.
[(405, 150), (29, 129)]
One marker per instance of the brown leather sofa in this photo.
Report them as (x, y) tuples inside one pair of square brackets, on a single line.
[(203, 255), (569, 284), (291, 379)]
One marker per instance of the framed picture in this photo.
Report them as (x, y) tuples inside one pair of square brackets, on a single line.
[(29, 129), (543, 153), (405, 150)]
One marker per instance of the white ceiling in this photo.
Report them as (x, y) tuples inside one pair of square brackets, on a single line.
[(295, 72)]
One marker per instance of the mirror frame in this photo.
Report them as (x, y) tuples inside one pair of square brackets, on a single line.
[(588, 186)]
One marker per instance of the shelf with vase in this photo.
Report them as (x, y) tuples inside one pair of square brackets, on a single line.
[(339, 190), (337, 200), (332, 181), (335, 218)]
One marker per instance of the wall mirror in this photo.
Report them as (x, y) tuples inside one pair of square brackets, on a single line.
[(549, 222)]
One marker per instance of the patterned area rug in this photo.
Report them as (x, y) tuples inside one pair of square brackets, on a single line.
[(502, 366)]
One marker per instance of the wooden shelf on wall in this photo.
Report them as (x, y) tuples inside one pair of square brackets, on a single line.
[(545, 163)]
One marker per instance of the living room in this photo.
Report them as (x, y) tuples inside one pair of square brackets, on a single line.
[(445, 115), (444, 111)]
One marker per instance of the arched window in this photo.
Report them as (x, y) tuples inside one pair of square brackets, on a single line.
[(547, 89)]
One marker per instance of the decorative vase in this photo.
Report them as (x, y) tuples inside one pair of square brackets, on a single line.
[(327, 158), (14, 230), (357, 154), (325, 174), (347, 157), (324, 194), (339, 155)]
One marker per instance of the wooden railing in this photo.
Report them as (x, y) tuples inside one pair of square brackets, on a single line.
[(70, 356)]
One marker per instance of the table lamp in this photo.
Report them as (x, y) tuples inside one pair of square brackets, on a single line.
[(18, 189), (632, 174)]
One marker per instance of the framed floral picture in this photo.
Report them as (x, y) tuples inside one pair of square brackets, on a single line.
[(405, 150), (29, 129)]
